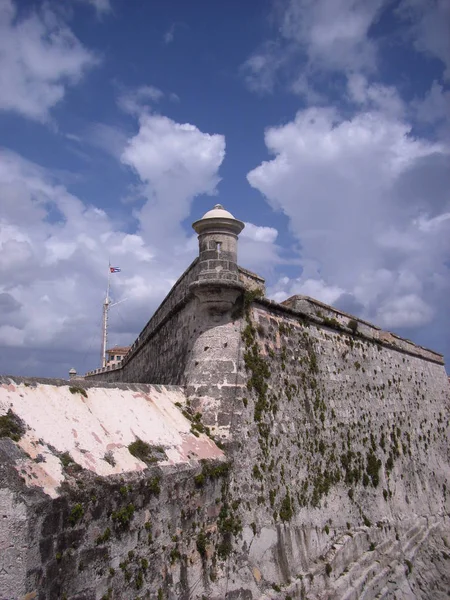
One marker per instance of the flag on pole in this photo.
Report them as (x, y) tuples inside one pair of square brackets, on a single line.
[(114, 270)]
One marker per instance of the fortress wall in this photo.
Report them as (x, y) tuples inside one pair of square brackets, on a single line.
[(14, 540), (305, 488), (338, 439), (190, 347), (348, 434)]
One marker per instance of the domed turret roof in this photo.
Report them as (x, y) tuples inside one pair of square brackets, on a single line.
[(218, 212), (218, 219)]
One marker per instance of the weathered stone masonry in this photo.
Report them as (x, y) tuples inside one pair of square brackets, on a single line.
[(333, 481)]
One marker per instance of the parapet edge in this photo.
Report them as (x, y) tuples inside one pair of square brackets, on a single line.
[(328, 316), (6, 380)]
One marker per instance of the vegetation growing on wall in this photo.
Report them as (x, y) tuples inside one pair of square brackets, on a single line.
[(11, 426), (291, 402), (211, 471), (146, 452), (77, 390)]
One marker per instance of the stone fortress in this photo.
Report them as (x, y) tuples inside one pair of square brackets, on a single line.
[(243, 449)]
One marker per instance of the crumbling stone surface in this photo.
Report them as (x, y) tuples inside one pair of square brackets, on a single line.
[(342, 447)]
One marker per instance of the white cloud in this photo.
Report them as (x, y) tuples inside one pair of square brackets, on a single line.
[(333, 33), (108, 138), (404, 311), (374, 96), (73, 138), (259, 234), (302, 86), (434, 109), (315, 40), (315, 288), (432, 225), (39, 58), (369, 206), (258, 250), (175, 162), (140, 99)]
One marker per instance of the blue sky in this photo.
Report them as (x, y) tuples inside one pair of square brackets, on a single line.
[(323, 125)]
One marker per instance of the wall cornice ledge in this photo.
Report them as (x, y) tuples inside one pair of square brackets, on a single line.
[(305, 307)]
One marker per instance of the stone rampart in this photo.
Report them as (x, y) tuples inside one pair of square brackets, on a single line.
[(337, 434)]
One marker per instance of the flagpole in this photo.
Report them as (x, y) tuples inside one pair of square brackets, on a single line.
[(105, 318), (109, 280)]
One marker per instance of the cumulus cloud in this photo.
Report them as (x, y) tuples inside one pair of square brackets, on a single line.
[(109, 138), (259, 234), (39, 58), (315, 288), (404, 311), (433, 110), (175, 162), (369, 205), (258, 250)]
